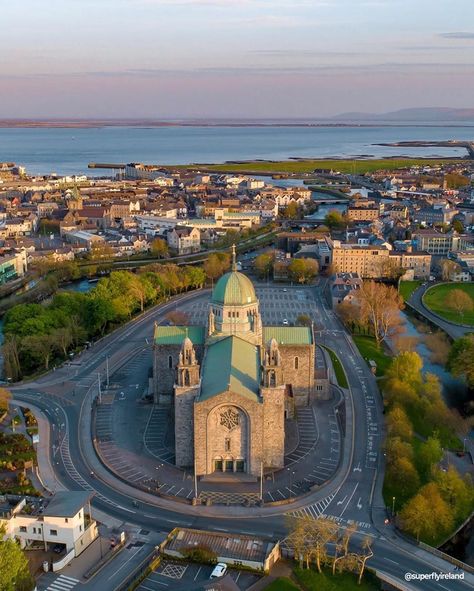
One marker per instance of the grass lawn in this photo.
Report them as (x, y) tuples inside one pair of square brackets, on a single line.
[(326, 581), (308, 166), (407, 288), (282, 584), (369, 350), (435, 299), (338, 369)]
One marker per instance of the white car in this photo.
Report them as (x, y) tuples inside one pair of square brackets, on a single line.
[(219, 570), (285, 322)]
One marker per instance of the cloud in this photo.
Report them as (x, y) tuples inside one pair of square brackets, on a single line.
[(458, 35)]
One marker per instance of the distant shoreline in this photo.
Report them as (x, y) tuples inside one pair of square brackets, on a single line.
[(147, 123)]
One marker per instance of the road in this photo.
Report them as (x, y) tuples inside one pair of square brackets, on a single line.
[(455, 331), (65, 397)]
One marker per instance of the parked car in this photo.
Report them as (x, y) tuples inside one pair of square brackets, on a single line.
[(58, 548), (219, 570)]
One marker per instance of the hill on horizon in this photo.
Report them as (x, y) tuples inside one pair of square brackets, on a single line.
[(411, 114)]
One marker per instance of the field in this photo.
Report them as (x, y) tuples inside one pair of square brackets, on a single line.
[(369, 350), (435, 299), (407, 288), (308, 166)]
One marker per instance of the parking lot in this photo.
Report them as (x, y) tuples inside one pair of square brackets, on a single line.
[(182, 575)]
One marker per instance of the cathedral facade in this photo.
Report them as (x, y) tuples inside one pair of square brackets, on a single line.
[(233, 382)]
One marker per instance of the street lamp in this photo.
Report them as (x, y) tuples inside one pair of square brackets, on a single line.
[(393, 506)]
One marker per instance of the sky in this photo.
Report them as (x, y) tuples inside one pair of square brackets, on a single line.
[(233, 58)]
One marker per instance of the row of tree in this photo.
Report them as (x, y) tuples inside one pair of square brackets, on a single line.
[(37, 334), (298, 270), (311, 540), (375, 308), (419, 426)]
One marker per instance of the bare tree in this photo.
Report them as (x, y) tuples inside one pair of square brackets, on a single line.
[(379, 307), (459, 301)]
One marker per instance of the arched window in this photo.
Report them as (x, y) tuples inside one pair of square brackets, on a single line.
[(297, 362), (170, 362), (187, 380), (272, 379)]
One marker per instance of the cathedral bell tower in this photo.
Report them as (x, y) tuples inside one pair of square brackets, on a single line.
[(186, 389), (272, 373)]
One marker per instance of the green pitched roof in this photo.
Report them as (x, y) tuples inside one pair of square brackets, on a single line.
[(175, 335), (234, 288), (231, 364), (288, 335)]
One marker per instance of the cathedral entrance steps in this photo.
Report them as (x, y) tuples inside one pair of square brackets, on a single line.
[(307, 435), (158, 436), (228, 477), (223, 498)]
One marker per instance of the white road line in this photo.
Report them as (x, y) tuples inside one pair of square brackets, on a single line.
[(349, 500)]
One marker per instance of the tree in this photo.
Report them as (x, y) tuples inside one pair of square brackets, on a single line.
[(406, 367), (5, 397), (448, 269), (11, 357), (461, 359), (291, 211), (101, 251), (321, 532), (302, 270), (14, 571), (458, 492), (215, 265), (64, 339), (403, 478), (341, 547), (304, 320), (334, 219), (417, 515), (459, 301), (458, 226), (40, 347), (398, 424), (264, 265), (455, 180), (364, 556), (430, 454), (159, 248), (380, 307), (177, 318)]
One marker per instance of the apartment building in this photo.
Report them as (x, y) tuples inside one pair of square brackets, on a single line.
[(373, 262), (184, 240), (363, 214), (62, 519), (439, 244)]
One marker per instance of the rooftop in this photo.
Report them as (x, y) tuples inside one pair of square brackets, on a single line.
[(175, 335), (288, 335), (231, 364), (67, 503)]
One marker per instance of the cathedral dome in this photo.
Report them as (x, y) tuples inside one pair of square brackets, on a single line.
[(234, 289)]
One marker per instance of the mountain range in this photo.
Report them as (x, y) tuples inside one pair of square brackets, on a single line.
[(413, 114)]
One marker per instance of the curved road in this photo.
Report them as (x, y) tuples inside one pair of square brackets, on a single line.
[(65, 395)]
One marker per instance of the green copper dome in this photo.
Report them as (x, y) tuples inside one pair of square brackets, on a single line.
[(234, 289)]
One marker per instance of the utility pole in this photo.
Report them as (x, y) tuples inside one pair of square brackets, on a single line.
[(195, 480), (261, 481), (100, 389), (107, 369)]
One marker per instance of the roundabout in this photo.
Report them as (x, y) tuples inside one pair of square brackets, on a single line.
[(64, 402)]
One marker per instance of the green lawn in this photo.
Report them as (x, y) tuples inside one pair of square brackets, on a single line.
[(407, 288), (308, 166), (311, 580), (282, 584), (436, 297), (338, 369), (369, 350)]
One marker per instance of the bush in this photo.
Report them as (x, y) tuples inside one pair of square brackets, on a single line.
[(201, 554)]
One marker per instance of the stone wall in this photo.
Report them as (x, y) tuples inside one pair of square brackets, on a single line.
[(299, 375), (209, 437), (164, 377), (184, 425), (273, 426)]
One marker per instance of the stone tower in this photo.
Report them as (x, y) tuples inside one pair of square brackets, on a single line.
[(186, 390), (272, 392)]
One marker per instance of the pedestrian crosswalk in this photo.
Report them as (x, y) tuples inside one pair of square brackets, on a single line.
[(314, 510), (62, 583)]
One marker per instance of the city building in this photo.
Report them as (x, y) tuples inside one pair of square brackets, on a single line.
[(343, 287), (184, 240), (437, 243), (62, 519), (12, 266), (233, 382)]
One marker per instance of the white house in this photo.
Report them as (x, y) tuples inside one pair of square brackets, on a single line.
[(64, 519)]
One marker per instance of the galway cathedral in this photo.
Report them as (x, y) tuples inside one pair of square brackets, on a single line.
[(232, 383)]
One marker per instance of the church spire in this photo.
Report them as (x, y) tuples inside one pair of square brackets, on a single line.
[(234, 260)]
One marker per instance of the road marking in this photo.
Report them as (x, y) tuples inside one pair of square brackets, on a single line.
[(349, 500), (390, 560), (196, 575)]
